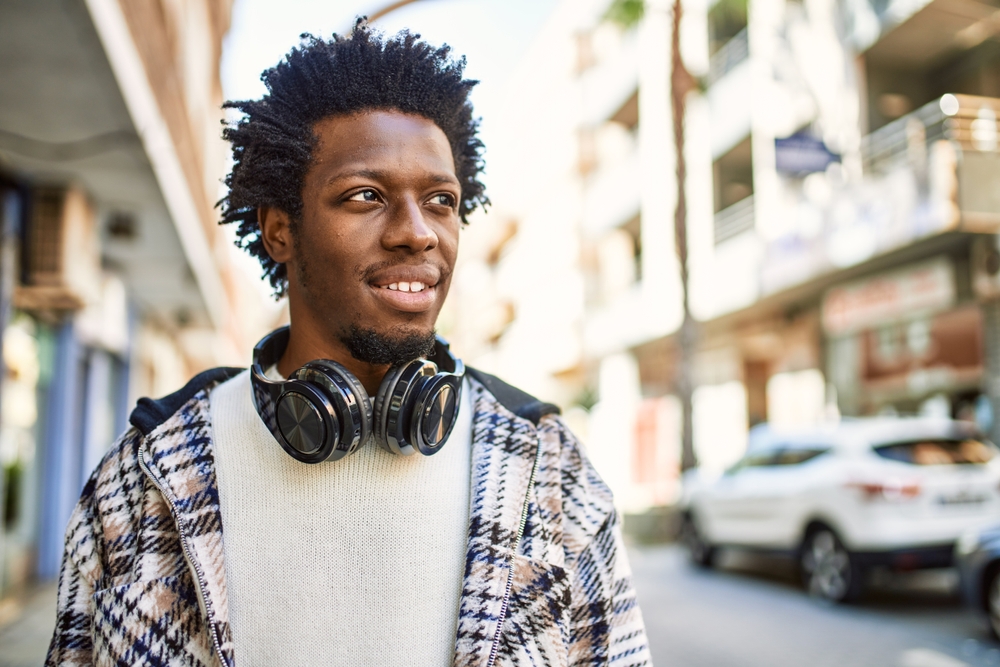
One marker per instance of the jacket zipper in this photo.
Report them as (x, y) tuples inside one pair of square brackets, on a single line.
[(186, 548), (517, 543)]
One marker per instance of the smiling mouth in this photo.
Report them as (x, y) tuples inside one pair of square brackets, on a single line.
[(413, 286), (407, 296)]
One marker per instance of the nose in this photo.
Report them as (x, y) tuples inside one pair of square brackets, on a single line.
[(408, 228)]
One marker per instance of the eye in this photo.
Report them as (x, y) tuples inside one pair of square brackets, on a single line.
[(364, 195), (443, 199)]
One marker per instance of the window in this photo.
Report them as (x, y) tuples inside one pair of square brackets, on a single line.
[(783, 456), (791, 457), (733, 181), (939, 452), (628, 114), (755, 460), (726, 19), (733, 177)]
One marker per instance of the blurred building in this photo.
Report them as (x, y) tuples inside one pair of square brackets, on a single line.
[(843, 203), (114, 277)]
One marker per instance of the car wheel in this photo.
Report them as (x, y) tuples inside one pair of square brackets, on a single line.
[(993, 603), (701, 552), (828, 569)]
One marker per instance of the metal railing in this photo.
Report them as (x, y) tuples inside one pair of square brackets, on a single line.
[(734, 220), (968, 120), (732, 53)]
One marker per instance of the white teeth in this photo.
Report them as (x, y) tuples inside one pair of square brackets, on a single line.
[(407, 287)]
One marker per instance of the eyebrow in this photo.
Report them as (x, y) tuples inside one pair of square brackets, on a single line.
[(376, 175)]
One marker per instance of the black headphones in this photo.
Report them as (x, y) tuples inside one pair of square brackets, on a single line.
[(323, 413)]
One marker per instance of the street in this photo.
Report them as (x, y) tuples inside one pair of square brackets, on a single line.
[(749, 612), (26, 627)]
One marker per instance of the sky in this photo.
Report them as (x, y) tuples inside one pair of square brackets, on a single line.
[(492, 34)]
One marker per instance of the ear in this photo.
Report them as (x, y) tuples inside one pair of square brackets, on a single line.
[(275, 233)]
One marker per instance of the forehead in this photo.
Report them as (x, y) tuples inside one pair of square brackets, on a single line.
[(390, 138)]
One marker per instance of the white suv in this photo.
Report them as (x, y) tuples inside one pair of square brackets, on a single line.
[(896, 492)]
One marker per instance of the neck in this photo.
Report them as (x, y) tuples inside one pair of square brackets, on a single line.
[(308, 341)]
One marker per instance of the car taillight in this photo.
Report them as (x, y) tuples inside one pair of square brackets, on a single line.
[(892, 489)]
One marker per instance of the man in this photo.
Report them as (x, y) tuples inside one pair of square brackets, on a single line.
[(267, 517)]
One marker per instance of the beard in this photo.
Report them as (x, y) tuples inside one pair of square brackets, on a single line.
[(393, 348)]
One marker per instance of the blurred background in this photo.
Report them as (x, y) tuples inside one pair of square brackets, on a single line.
[(768, 216)]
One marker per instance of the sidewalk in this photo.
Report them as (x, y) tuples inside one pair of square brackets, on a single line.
[(24, 637)]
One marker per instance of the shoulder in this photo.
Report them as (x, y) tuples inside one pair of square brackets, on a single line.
[(567, 483), (111, 501), (153, 420), (150, 413), (520, 403)]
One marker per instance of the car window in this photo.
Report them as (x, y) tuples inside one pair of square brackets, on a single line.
[(754, 460), (791, 457), (939, 452), (760, 459), (784, 456)]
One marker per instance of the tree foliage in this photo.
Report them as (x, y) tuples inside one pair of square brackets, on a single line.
[(734, 11), (626, 13)]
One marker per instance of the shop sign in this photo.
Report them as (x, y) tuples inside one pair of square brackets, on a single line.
[(915, 291), (802, 154)]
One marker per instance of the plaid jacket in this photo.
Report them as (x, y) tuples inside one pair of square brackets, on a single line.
[(546, 579)]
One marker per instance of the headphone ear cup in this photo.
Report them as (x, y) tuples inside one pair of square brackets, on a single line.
[(380, 414), (399, 405), (435, 413), (305, 423), (348, 397)]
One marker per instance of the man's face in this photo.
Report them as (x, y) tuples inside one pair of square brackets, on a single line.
[(378, 238)]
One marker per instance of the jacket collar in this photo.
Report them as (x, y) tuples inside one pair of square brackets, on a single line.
[(178, 455)]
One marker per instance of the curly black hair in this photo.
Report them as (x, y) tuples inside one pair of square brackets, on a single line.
[(273, 142)]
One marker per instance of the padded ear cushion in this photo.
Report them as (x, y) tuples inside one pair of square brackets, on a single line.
[(381, 407), (348, 396)]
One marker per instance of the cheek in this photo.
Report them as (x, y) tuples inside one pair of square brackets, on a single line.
[(324, 247), (449, 244)]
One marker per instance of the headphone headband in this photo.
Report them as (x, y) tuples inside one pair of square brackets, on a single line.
[(322, 411)]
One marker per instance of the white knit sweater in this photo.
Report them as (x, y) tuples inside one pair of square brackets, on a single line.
[(356, 562)]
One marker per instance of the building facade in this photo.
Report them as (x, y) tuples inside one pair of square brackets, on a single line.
[(115, 280), (843, 195)]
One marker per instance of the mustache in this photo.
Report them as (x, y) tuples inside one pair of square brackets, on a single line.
[(368, 272)]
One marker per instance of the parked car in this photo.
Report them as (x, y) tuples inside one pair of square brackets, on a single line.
[(893, 492), (977, 555)]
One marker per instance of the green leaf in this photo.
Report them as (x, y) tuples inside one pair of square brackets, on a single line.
[(626, 13)]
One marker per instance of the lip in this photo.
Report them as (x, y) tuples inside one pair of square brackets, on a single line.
[(427, 274), (408, 302)]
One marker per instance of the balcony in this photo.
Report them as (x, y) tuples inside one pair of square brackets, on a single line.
[(967, 121), (612, 194), (932, 171), (729, 97), (609, 84), (915, 33), (726, 59), (734, 220)]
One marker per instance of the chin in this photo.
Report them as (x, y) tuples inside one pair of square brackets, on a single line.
[(392, 346)]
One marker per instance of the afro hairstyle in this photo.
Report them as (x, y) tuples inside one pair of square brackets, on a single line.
[(273, 141)]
